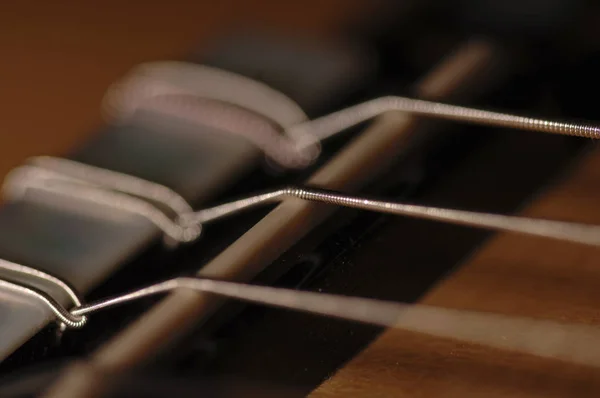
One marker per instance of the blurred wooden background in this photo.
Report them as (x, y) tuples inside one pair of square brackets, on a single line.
[(58, 57)]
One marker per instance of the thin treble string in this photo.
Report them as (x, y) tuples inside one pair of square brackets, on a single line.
[(64, 316), (571, 342)]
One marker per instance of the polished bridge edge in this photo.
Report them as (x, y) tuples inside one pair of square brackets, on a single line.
[(560, 340), (134, 195)]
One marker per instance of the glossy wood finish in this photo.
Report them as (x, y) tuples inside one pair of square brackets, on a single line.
[(510, 274)]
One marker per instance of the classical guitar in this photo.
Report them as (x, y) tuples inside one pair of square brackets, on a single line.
[(274, 215)]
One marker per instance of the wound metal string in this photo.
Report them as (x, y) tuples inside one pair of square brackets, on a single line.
[(566, 231), (336, 122), (299, 144), (122, 192), (113, 190)]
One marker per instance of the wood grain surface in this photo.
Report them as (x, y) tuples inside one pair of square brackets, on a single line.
[(513, 275)]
